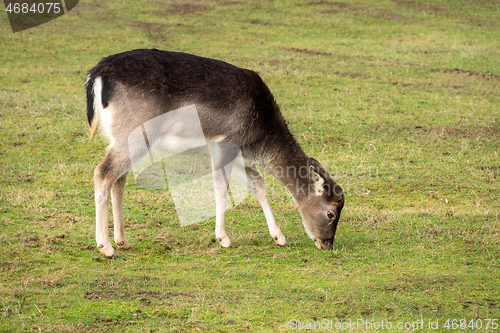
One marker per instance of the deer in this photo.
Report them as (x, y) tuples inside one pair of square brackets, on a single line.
[(234, 105)]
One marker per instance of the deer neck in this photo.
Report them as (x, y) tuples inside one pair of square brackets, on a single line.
[(290, 167)]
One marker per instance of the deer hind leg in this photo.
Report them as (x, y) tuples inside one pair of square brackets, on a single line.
[(105, 176), (117, 200), (255, 183)]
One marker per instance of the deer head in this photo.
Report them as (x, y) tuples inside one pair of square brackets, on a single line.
[(321, 208)]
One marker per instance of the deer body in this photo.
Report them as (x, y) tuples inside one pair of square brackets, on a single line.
[(128, 90)]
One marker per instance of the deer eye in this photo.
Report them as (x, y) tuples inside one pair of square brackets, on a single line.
[(330, 215)]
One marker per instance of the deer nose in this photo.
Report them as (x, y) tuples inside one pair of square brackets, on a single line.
[(328, 246), (324, 245)]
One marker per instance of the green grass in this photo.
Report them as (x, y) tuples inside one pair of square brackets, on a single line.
[(398, 99)]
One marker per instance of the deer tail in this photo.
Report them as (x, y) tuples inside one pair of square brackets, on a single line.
[(94, 87)]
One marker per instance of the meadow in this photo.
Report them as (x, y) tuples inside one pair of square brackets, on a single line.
[(398, 99)]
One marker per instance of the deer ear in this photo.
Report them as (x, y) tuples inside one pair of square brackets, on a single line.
[(316, 181)]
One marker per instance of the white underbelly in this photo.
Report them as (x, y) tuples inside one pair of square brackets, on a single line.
[(178, 145)]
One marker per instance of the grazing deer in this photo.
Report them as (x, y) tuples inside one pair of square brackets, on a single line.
[(126, 90)]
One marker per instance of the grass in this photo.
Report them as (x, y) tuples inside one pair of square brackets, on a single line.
[(399, 99)]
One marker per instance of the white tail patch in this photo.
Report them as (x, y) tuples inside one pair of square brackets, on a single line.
[(102, 116), (106, 121), (97, 90)]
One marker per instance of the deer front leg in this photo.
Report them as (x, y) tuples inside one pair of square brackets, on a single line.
[(222, 156), (221, 183), (257, 185), (117, 201)]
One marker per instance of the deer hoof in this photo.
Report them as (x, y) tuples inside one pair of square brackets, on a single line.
[(224, 242), (124, 244), (106, 250), (281, 240)]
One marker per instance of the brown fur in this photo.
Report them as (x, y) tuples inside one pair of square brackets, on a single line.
[(231, 103)]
